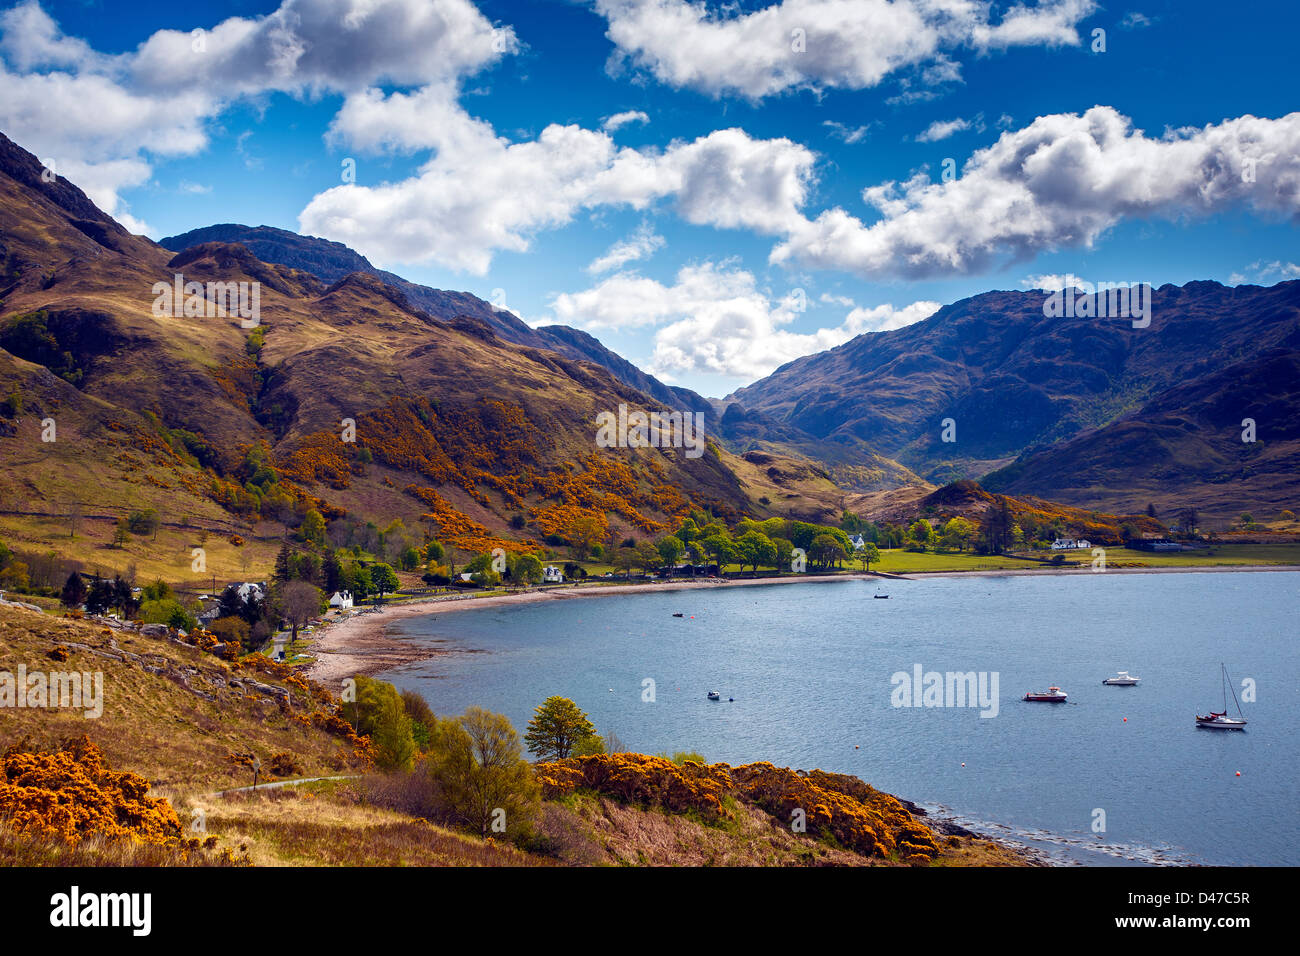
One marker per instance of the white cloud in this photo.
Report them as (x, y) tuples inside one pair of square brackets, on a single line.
[(715, 320), (1062, 181), (1053, 282), (481, 193), (618, 120), (1135, 21), (1265, 272), (942, 129), (818, 44), (849, 134), (108, 115), (642, 244)]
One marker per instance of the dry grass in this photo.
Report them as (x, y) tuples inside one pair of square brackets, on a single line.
[(151, 723), (330, 827)]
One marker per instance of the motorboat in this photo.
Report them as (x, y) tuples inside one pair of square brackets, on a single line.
[(1053, 695), (714, 695), (1219, 720), (1122, 679)]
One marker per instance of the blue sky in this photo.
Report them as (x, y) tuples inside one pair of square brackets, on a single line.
[(728, 207)]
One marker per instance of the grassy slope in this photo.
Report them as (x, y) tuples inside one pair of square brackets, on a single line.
[(152, 725)]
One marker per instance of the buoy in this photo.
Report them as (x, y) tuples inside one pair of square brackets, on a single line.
[(963, 763), (1238, 773), (855, 747), (1126, 720)]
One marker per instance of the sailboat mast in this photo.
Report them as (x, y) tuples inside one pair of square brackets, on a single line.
[(1234, 694)]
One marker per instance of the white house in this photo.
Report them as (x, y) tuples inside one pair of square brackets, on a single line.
[(1069, 544), (858, 542), (255, 588), (552, 575), (342, 600)]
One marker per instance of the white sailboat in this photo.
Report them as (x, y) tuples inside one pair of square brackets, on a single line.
[(1216, 720)]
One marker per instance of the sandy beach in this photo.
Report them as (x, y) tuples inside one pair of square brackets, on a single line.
[(359, 642)]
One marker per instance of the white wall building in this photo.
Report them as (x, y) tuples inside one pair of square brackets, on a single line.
[(1069, 544), (342, 600), (552, 575)]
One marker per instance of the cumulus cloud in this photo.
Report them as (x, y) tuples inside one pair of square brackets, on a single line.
[(715, 320), (818, 44), (642, 244), (481, 193), (107, 116), (1062, 181), (622, 119)]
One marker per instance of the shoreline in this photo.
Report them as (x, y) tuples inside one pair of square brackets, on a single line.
[(359, 643), (362, 643)]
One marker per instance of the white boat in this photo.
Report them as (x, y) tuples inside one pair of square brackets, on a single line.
[(1053, 695), (1219, 720), (714, 695), (1122, 679)]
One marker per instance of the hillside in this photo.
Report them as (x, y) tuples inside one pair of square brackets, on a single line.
[(478, 438), (181, 725), (1092, 411), (331, 261)]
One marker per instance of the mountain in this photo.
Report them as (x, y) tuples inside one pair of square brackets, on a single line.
[(331, 261), (222, 427), (1090, 411)]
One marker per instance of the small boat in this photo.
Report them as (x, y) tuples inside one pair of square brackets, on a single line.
[(679, 614), (714, 695), (1053, 695), (1219, 720), (1122, 679), (881, 597)]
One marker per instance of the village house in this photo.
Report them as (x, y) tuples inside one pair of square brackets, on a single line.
[(1070, 544), (341, 600), (552, 575)]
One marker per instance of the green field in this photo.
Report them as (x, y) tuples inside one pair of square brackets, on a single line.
[(898, 561)]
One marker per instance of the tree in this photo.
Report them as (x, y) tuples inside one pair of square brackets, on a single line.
[(74, 591), (392, 735), (957, 533), (670, 550), (299, 603), (313, 527), (383, 580), (229, 630), (527, 569), (647, 556), (755, 548), (121, 533), (784, 551), (866, 554), (477, 766), (921, 532), (720, 547), (625, 558), (556, 726), (826, 550)]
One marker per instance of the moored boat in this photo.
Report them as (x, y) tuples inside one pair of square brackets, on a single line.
[(1122, 679), (714, 695), (1219, 720), (1053, 695)]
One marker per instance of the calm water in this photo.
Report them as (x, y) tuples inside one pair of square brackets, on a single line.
[(810, 667)]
